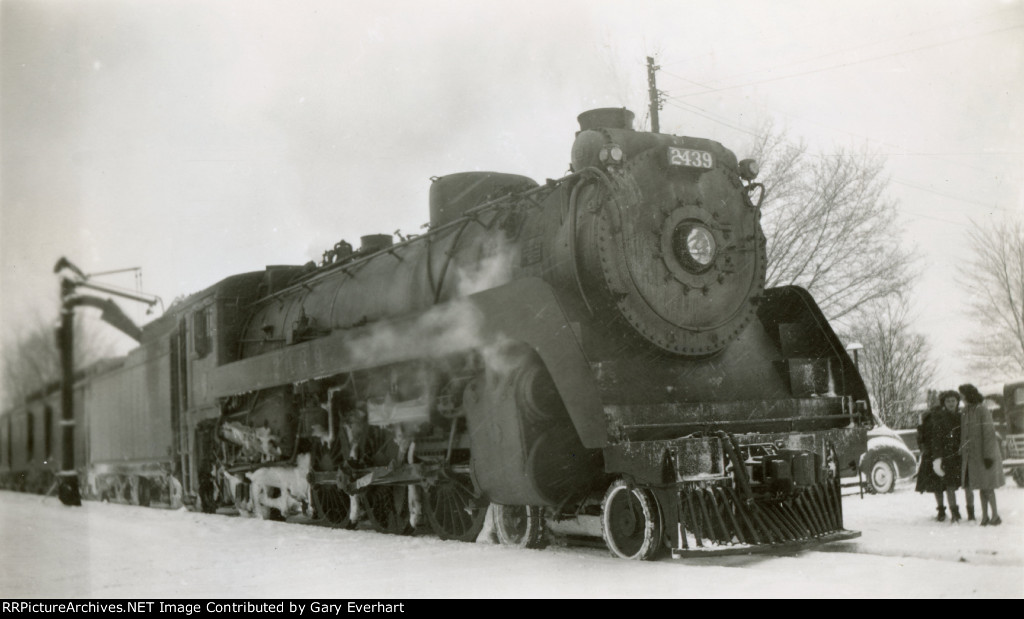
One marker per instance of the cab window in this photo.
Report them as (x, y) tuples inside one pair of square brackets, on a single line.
[(48, 431), (30, 436), (202, 329)]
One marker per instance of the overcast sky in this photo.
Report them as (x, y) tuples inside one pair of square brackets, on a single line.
[(197, 139)]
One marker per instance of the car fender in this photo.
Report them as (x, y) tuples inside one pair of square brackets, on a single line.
[(893, 449)]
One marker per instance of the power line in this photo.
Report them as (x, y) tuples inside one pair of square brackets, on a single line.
[(705, 114), (950, 196), (959, 162), (842, 51), (849, 64), (1001, 153), (688, 107), (916, 215)]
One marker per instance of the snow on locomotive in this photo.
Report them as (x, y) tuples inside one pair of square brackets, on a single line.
[(598, 348)]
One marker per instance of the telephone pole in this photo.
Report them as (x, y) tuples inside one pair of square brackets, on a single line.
[(653, 93)]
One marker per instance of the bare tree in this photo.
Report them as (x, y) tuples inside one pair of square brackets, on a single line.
[(894, 362), (31, 360), (830, 227), (994, 279)]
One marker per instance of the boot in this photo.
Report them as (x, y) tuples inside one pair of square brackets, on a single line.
[(970, 512), (954, 514), (942, 513), (996, 521), (984, 520)]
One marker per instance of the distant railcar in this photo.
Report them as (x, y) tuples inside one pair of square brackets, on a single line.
[(31, 441)]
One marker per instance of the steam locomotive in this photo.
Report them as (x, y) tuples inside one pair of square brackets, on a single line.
[(600, 348)]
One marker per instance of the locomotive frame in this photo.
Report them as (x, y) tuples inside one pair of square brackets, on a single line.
[(596, 348)]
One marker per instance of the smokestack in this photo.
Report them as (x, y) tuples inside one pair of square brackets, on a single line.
[(606, 118)]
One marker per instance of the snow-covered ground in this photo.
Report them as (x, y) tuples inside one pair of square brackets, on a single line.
[(115, 551)]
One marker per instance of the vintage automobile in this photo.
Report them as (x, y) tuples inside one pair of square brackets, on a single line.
[(887, 459), (1006, 401)]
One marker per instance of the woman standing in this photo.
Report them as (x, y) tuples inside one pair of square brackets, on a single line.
[(939, 438), (982, 460)]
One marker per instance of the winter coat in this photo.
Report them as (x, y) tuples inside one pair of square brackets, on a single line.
[(939, 437), (978, 441)]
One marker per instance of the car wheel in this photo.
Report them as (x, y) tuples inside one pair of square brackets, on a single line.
[(882, 476)]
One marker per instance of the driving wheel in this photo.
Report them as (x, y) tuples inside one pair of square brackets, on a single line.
[(454, 510), (387, 508), (332, 505)]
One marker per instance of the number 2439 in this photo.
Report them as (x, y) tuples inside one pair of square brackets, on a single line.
[(690, 158)]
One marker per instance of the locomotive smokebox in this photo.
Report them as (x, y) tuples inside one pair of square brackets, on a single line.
[(606, 118)]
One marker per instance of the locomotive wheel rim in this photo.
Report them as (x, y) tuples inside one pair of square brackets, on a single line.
[(331, 505), (142, 494), (453, 510), (134, 491), (513, 520), (243, 500), (519, 525), (207, 495), (630, 522), (387, 512)]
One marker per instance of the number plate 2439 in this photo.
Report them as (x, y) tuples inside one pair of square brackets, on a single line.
[(690, 158)]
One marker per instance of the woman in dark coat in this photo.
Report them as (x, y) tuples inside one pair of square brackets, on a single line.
[(939, 438), (982, 467)]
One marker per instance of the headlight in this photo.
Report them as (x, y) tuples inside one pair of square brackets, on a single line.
[(611, 154), (749, 169), (694, 246), (701, 245)]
